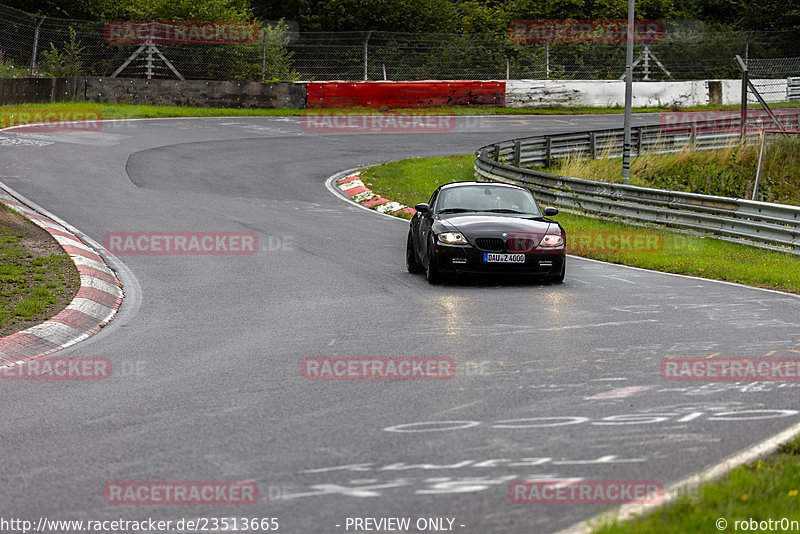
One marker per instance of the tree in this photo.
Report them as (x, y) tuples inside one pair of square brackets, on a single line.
[(361, 15)]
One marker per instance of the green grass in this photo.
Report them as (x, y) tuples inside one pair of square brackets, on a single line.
[(35, 302), (412, 181), (130, 111), (763, 490), (31, 282), (727, 172)]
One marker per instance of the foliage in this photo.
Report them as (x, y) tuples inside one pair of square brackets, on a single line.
[(9, 70), (278, 65), (171, 10), (728, 172), (64, 63), (435, 16)]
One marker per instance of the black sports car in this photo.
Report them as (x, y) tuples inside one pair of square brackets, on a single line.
[(474, 227)]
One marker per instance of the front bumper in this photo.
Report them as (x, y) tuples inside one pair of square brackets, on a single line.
[(466, 259)]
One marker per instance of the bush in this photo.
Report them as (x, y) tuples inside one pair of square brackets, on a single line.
[(66, 63)]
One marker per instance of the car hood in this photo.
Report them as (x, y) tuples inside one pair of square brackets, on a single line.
[(472, 225)]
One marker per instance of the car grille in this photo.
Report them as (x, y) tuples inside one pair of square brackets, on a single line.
[(490, 243)]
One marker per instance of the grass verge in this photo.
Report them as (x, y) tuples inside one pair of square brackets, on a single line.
[(759, 491), (130, 111), (37, 278), (766, 489), (413, 180)]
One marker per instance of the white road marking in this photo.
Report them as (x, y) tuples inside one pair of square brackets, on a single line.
[(619, 393)]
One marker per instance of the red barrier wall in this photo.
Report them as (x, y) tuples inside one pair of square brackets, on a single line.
[(406, 94)]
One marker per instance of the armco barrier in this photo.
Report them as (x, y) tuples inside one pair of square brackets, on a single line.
[(757, 223), (406, 94)]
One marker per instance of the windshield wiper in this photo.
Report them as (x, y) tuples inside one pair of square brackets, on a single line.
[(506, 210), (456, 210)]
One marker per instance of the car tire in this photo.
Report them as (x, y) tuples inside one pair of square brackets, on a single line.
[(412, 264), (432, 272)]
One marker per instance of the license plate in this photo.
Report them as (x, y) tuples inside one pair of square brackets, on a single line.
[(503, 258)]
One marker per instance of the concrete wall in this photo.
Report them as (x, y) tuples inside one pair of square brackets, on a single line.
[(419, 94), (153, 92), (610, 93), (195, 93), (37, 90), (515, 93)]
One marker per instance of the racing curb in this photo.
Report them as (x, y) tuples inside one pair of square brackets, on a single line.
[(98, 299), (352, 186)]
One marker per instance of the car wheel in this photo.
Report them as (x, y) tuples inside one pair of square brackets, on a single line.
[(431, 273), (412, 264)]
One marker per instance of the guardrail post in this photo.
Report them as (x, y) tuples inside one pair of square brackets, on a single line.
[(592, 145), (693, 134), (496, 152), (638, 140), (548, 150), (517, 152)]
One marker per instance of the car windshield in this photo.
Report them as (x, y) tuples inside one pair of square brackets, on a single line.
[(487, 198)]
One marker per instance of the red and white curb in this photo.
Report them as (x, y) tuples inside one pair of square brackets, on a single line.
[(352, 186), (96, 302)]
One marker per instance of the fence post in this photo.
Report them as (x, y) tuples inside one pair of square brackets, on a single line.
[(547, 60), (745, 74), (264, 56), (369, 34), (517, 152), (35, 45)]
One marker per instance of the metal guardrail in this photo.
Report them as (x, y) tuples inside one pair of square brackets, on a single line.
[(761, 224)]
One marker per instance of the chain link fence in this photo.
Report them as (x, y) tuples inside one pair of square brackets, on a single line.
[(31, 45), (775, 79)]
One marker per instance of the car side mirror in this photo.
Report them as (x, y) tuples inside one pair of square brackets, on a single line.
[(422, 207), (550, 211)]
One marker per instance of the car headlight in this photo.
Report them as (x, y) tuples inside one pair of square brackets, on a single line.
[(452, 238), (551, 241)]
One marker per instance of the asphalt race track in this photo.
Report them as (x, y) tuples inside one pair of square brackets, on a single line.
[(552, 382)]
